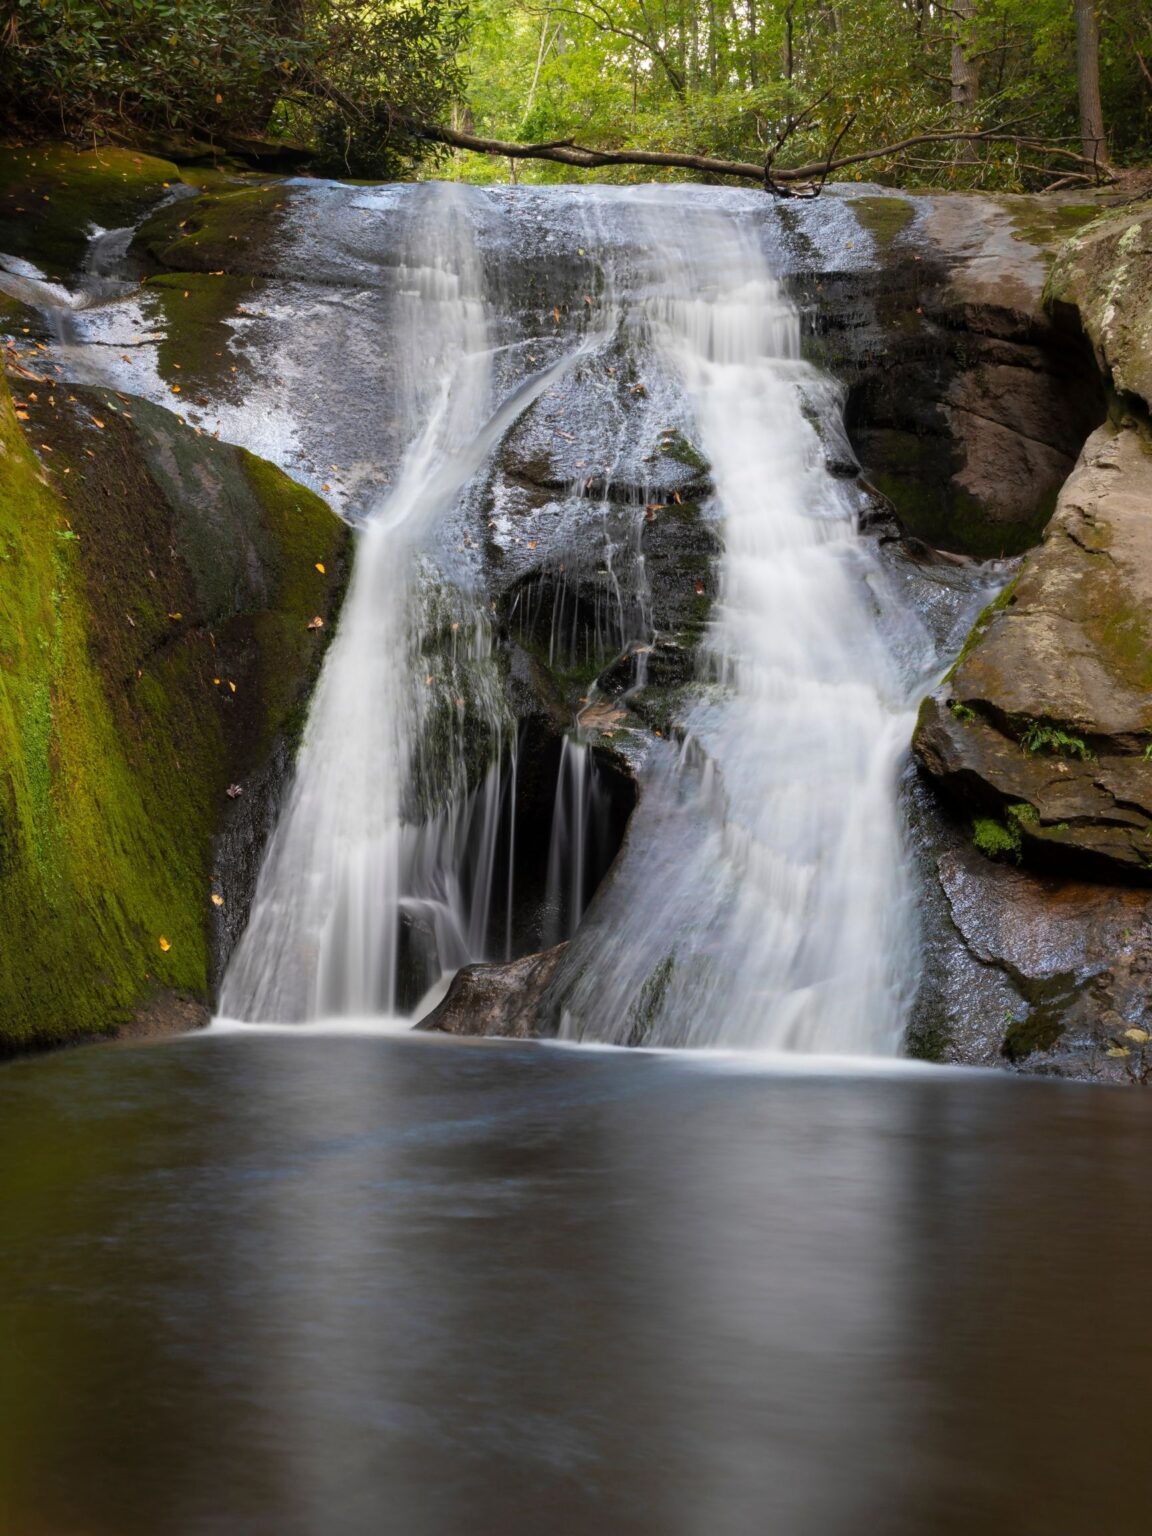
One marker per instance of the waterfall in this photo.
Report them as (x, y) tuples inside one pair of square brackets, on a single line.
[(763, 898), (379, 876), (784, 917)]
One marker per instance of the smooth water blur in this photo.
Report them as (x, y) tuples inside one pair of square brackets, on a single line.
[(273, 1286)]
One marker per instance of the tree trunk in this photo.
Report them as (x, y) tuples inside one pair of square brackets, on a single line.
[(1092, 145), (963, 74)]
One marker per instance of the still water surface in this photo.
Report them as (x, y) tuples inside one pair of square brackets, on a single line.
[(339, 1286)]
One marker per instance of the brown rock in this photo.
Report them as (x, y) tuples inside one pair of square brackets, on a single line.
[(1064, 661), (504, 1000)]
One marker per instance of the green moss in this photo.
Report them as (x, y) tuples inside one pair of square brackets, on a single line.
[(118, 730), (222, 231), (51, 195), (996, 839), (191, 311), (1045, 224), (928, 1038), (1120, 630), (883, 217), (1023, 814), (984, 619), (946, 516), (674, 445), (1039, 1030)]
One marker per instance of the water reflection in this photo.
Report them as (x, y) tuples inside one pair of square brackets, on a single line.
[(350, 1285)]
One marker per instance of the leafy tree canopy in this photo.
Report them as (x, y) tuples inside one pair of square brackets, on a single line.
[(365, 83)]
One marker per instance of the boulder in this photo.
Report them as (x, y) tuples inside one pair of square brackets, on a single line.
[(1044, 726), (966, 404), (158, 642), (504, 1000), (1102, 283)]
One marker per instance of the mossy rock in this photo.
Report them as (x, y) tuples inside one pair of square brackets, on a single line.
[(1102, 279), (156, 592), (190, 311), (885, 218), (52, 195), (233, 230)]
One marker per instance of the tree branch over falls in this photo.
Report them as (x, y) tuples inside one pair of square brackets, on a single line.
[(783, 181)]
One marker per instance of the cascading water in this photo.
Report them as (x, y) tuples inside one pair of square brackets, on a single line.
[(383, 853), (783, 919), (763, 898)]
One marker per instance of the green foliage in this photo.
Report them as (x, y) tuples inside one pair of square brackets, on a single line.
[(1053, 739), (729, 76), (962, 712), (193, 65), (342, 74), (997, 839)]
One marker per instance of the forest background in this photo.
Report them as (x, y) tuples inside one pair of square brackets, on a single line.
[(1016, 94)]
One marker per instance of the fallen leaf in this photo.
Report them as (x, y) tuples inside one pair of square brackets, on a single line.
[(320, 566), (231, 686), (699, 587), (234, 791), (175, 615), (316, 623), (175, 391), (164, 944), (556, 314), (217, 899)]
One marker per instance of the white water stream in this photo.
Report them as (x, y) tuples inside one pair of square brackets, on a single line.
[(780, 914), (785, 920)]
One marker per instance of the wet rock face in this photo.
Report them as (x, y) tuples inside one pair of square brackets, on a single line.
[(500, 1000), (966, 405), (1102, 283), (1076, 959), (1045, 724)]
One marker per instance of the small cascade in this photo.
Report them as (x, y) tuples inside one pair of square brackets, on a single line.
[(581, 841), (784, 920), (387, 869)]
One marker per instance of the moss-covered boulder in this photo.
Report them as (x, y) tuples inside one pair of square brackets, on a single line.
[(1103, 280), (1044, 727), (159, 599), (52, 195)]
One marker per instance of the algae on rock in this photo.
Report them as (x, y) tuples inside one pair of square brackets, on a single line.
[(154, 650)]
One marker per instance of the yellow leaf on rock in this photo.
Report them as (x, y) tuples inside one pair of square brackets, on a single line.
[(1141, 1036), (217, 899)]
